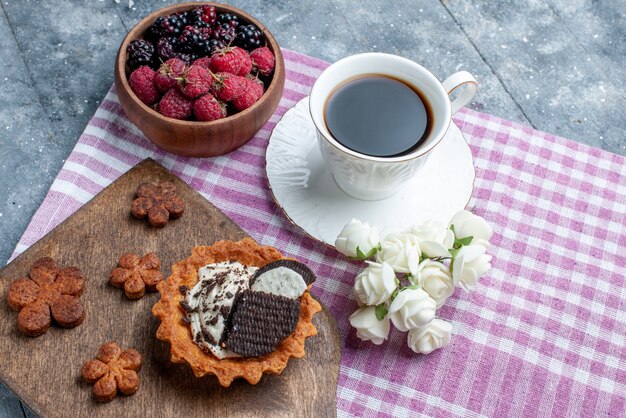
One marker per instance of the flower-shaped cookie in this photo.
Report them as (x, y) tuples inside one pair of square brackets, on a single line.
[(157, 202), (48, 292), (113, 370), (136, 274)]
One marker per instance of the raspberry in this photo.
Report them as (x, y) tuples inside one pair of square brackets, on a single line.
[(246, 62), (208, 108), (167, 74), (195, 81), (227, 87), (142, 83), (232, 60), (140, 52), (203, 62), (252, 92), (249, 37), (263, 60), (175, 105)]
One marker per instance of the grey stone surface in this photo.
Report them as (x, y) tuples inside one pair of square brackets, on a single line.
[(562, 62), (557, 65)]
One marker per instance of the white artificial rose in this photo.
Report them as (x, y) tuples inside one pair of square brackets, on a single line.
[(368, 327), (435, 238), (412, 308), (375, 284), (431, 337), (466, 224), (470, 263), (402, 251), (436, 280), (357, 234)]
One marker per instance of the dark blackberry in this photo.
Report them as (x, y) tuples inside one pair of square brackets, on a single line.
[(166, 48), (249, 37), (140, 52), (225, 33), (203, 16), (214, 45), (194, 39), (168, 26), (187, 58), (230, 19)]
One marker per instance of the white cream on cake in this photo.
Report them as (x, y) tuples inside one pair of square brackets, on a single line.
[(211, 300)]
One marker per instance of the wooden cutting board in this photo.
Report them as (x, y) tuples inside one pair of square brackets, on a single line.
[(45, 371)]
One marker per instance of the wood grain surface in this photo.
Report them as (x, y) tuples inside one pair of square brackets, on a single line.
[(45, 371)]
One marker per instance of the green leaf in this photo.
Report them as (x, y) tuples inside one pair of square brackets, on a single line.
[(360, 255), (454, 252), (381, 311), (413, 287), (464, 241), (452, 227)]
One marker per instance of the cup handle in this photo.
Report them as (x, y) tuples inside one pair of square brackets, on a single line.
[(467, 85)]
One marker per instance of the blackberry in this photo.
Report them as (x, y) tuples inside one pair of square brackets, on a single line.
[(230, 19), (194, 39), (166, 48), (214, 45), (171, 25), (249, 37), (225, 33), (203, 16), (188, 58), (140, 52)]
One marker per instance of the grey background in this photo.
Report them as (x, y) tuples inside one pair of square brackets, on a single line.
[(555, 65)]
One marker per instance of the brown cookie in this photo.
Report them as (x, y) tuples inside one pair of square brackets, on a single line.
[(48, 293), (259, 322), (158, 203), (113, 370), (136, 274)]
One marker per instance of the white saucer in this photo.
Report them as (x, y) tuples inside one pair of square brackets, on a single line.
[(306, 191)]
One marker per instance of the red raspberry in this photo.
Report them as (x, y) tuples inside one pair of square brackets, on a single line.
[(208, 108), (195, 81), (203, 62), (251, 94), (227, 87), (246, 62), (232, 60), (168, 72), (142, 83), (263, 60), (175, 105)]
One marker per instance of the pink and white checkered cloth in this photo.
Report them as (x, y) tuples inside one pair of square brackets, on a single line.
[(544, 333)]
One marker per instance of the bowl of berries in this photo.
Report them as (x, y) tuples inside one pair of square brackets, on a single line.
[(199, 79)]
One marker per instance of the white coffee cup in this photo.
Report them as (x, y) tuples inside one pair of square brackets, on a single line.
[(373, 178)]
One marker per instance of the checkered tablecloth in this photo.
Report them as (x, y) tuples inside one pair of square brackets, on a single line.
[(544, 333)]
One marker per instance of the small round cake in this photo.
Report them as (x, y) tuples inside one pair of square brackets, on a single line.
[(236, 309)]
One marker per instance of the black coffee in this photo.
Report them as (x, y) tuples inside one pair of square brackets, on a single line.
[(378, 115)]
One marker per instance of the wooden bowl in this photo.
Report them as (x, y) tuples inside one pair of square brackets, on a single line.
[(193, 138)]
